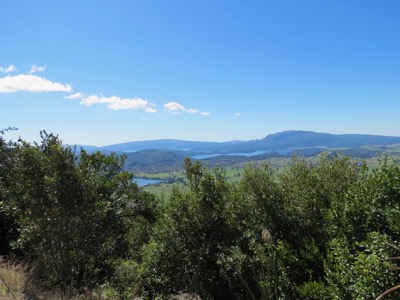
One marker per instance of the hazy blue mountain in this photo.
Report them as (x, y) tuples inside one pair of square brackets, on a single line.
[(168, 154), (309, 139), (166, 144), (277, 141), (303, 139)]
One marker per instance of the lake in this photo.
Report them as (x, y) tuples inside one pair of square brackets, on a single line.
[(248, 154), (146, 181)]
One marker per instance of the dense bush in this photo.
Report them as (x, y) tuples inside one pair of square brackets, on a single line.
[(73, 215), (292, 234)]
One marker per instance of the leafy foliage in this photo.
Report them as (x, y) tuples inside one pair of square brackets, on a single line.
[(71, 213), (308, 211)]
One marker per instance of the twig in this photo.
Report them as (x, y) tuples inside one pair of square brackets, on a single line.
[(388, 291), (9, 289)]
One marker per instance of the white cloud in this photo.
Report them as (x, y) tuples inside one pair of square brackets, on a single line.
[(11, 68), (238, 114), (36, 68), (150, 110), (205, 113), (114, 102), (75, 96), (176, 108), (31, 83), (118, 103)]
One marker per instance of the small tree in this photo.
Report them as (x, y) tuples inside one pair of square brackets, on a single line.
[(71, 211)]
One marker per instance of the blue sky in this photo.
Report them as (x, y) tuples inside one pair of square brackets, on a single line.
[(102, 72)]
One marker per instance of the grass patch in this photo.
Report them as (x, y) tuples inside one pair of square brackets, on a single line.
[(162, 175), (17, 283), (162, 188), (13, 280)]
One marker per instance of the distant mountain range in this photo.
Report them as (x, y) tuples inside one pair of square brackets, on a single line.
[(286, 140), (168, 155)]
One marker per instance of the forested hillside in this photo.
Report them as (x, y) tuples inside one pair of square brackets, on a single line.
[(325, 230)]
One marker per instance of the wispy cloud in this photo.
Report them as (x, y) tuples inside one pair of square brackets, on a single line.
[(75, 96), (205, 113), (177, 108), (36, 68), (237, 114), (31, 83), (10, 69), (114, 102)]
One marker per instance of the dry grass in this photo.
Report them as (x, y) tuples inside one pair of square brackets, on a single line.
[(13, 281), (16, 283)]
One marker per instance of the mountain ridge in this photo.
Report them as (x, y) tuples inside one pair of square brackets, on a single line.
[(291, 139)]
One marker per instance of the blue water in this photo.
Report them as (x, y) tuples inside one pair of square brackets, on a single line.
[(248, 154), (204, 156), (145, 181)]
